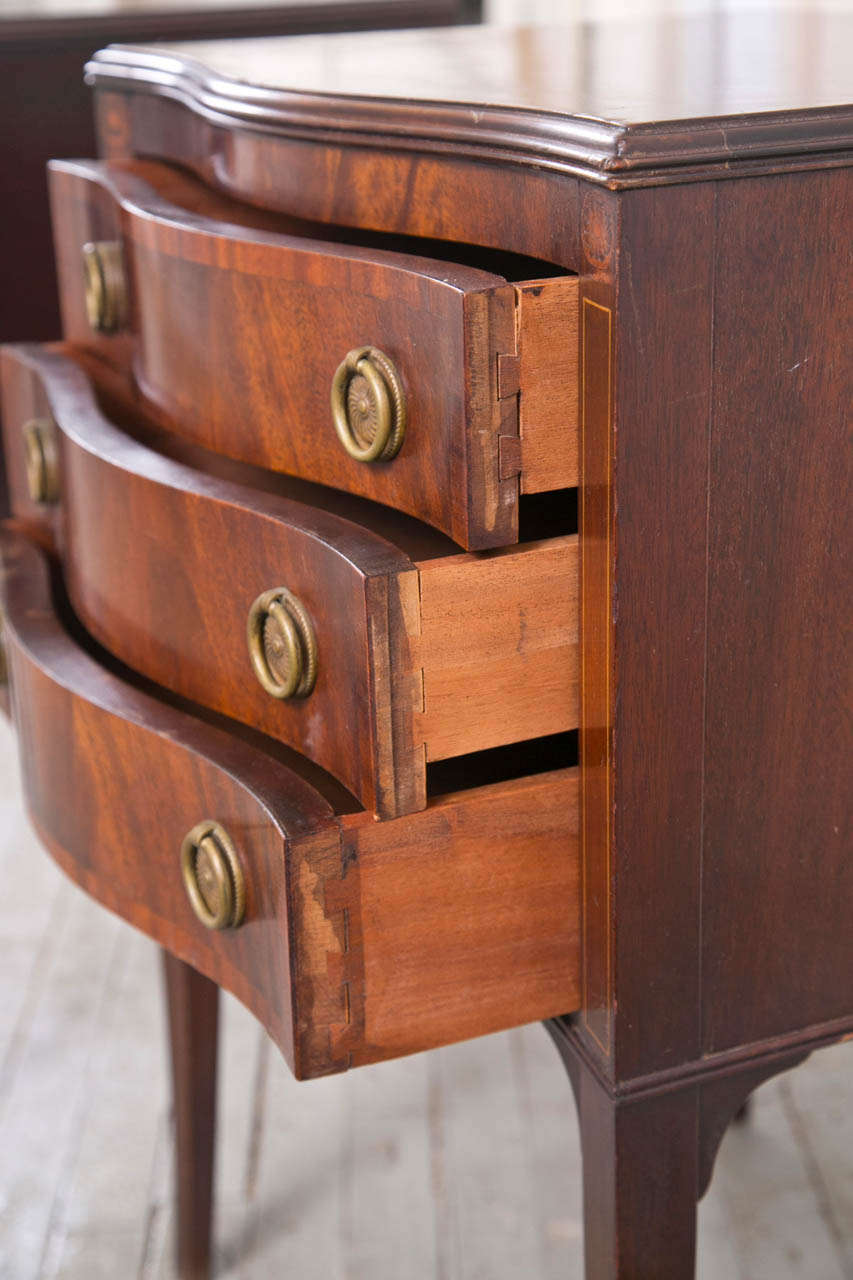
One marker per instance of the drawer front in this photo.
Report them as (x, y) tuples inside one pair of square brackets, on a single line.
[(417, 660), (358, 940), (235, 333), (115, 780)]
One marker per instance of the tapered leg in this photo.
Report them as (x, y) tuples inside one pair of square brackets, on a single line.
[(648, 1156), (640, 1178), (193, 1006)]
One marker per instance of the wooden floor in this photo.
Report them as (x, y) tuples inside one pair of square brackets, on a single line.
[(456, 1165)]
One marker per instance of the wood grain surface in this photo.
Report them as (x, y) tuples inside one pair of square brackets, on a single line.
[(419, 660), (498, 647), (275, 307), (362, 940), (163, 564), (496, 878), (579, 95), (441, 197), (192, 1003), (777, 829), (548, 380), (114, 780)]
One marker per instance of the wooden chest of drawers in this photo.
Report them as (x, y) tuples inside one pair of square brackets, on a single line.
[(423, 595)]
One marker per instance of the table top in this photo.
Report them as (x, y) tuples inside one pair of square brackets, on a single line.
[(610, 92)]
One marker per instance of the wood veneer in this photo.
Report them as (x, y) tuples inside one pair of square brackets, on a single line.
[(489, 371), (419, 660), (362, 939), (715, 881)]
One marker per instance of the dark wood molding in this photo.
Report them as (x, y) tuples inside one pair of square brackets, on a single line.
[(601, 150), (570, 1038)]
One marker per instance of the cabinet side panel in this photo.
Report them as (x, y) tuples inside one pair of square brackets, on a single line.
[(778, 882)]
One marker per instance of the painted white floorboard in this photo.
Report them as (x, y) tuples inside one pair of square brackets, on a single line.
[(294, 1217), (388, 1223), (102, 1198), (823, 1099), (551, 1131), (462, 1164), (491, 1202), (48, 1096), (773, 1216)]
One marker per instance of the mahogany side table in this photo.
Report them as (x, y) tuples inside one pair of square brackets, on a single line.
[(444, 476)]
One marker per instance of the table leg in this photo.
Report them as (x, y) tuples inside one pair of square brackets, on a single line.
[(648, 1156), (193, 1009), (640, 1179)]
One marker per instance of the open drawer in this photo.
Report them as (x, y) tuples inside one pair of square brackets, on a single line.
[(409, 650), (454, 386), (350, 939)]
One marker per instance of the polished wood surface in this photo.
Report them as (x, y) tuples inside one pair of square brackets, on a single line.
[(740, 458), (275, 309), (182, 620), (776, 480), (650, 1157), (192, 1002), (714, 884), (414, 664), (362, 940), (708, 91), (48, 109), (117, 830)]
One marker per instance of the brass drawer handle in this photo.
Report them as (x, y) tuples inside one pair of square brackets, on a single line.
[(213, 877), (105, 285), (41, 460), (282, 644), (368, 405)]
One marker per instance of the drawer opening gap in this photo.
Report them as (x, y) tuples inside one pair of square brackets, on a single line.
[(181, 188), (547, 515), (503, 764)]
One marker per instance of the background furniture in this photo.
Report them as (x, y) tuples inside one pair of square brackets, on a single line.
[(710, 602), (48, 109)]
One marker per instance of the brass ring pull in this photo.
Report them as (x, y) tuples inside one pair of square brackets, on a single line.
[(282, 644), (368, 405), (41, 460), (213, 877), (105, 285)]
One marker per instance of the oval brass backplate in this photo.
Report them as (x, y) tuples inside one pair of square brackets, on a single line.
[(213, 877), (41, 460), (105, 285), (368, 405), (282, 644)]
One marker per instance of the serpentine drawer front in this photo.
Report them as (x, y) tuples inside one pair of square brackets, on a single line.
[(437, 413), (437, 388), (371, 657), (342, 934)]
